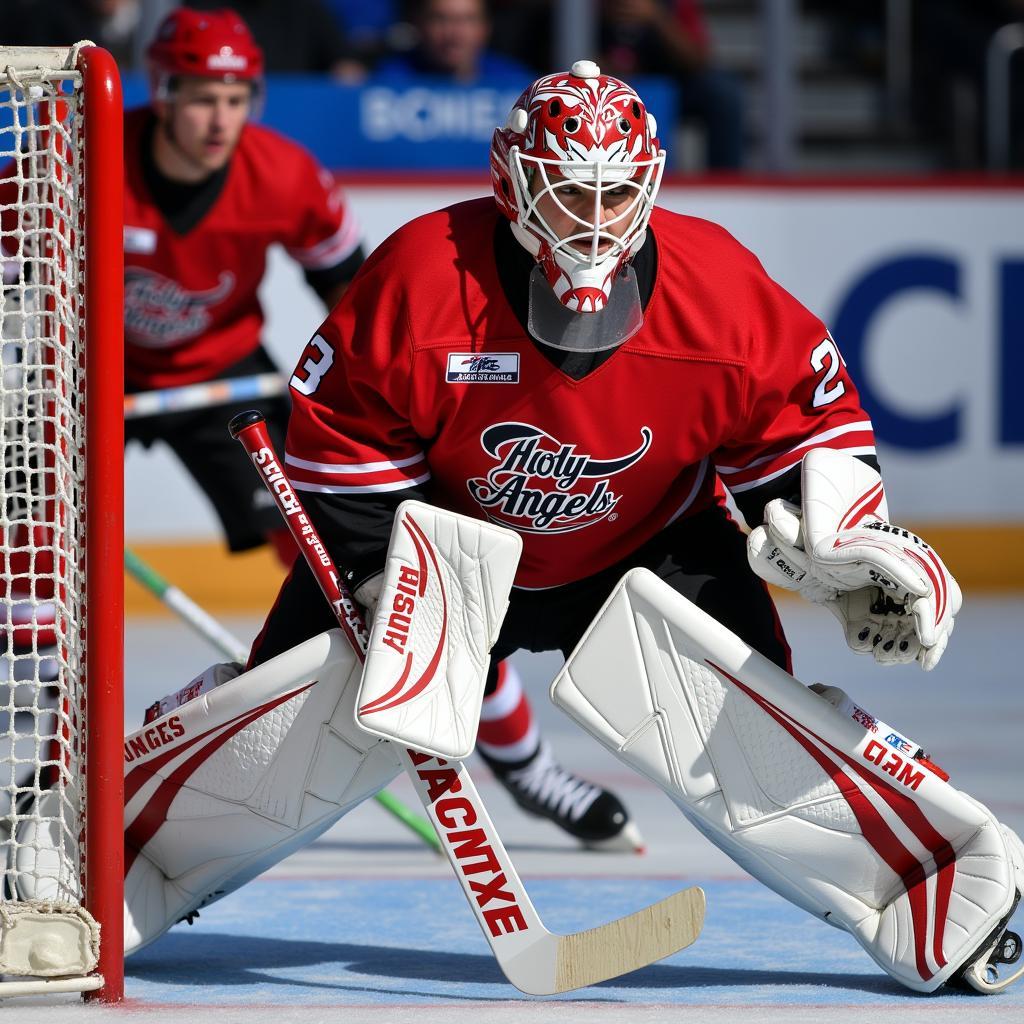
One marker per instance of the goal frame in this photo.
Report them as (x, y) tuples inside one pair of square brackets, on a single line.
[(101, 251), (104, 355)]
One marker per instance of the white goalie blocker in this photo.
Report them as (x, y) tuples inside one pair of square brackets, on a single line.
[(225, 786), (443, 598), (821, 803)]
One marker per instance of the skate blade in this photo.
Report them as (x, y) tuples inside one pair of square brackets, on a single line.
[(628, 840), (984, 975)]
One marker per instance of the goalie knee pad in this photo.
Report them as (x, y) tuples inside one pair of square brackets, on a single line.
[(231, 782), (829, 809)]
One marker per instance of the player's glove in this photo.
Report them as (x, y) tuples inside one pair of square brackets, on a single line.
[(893, 595), (368, 594)]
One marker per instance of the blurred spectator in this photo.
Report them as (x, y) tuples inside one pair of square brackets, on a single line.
[(668, 37), (856, 32), (524, 29), (16, 19), (951, 43), (453, 37), (295, 35), (371, 29), (110, 23), (643, 37)]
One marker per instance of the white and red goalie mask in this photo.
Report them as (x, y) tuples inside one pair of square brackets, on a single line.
[(572, 131)]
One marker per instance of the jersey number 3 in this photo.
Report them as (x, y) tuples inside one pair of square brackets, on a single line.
[(826, 357), (315, 361)]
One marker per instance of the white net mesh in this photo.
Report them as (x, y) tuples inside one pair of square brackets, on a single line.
[(42, 489)]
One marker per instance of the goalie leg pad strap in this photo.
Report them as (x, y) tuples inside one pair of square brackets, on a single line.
[(229, 784), (810, 801)]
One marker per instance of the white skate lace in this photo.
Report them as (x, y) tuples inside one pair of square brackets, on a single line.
[(550, 784)]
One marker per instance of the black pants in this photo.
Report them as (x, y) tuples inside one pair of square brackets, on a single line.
[(217, 463), (703, 558)]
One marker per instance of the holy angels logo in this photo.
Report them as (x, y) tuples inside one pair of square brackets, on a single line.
[(543, 485), (158, 312)]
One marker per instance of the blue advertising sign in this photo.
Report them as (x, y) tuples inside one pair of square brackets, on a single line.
[(406, 125)]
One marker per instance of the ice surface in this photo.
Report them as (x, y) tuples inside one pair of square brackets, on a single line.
[(367, 925)]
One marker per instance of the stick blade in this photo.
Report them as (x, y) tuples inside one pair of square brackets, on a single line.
[(629, 943)]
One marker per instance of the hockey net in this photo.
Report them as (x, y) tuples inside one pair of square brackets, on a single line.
[(60, 521)]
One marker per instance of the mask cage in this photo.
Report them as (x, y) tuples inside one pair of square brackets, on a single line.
[(641, 177)]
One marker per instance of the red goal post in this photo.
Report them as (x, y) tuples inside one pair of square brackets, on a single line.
[(61, 522)]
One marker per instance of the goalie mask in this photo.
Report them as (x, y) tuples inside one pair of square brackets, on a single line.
[(576, 169)]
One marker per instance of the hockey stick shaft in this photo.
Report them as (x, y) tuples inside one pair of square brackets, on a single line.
[(201, 396), (531, 957), (185, 608), (231, 647)]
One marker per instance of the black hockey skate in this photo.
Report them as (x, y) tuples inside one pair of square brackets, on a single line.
[(587, 812)]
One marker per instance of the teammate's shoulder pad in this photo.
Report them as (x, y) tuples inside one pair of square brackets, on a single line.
[(268, 140), (280, 166)]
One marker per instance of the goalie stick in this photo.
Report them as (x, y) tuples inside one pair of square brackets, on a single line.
[(535, 960), (231, 647)]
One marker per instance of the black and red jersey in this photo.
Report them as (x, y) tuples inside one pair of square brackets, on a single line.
[(424, 377), (191, 305)]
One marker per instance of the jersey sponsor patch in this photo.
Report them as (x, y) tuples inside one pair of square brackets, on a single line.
[(139, 240), (483, 368)]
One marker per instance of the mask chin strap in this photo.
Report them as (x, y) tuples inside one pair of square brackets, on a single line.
[(560, 327)]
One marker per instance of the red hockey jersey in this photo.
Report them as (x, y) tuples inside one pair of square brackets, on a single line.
[(423, 372), (191, 307)]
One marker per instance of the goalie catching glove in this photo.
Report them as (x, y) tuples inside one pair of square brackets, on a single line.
[(892, 593)]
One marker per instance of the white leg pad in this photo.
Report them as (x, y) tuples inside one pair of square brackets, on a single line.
[(227, 785), (809, 800)]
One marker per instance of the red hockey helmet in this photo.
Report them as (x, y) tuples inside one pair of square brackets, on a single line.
[(207, 44), (578, 130)]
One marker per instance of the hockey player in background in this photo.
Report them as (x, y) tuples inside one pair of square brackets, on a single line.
[(588, 369), (207, 192)]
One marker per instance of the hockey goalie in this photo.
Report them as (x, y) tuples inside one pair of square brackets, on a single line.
[(602, 449)]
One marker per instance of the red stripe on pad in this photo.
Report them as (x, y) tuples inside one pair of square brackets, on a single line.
[(878, 833), (154, 814), (862, 507)]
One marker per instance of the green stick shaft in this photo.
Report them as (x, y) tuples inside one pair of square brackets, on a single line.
[(409, 818), (230, 646), (178, 601)]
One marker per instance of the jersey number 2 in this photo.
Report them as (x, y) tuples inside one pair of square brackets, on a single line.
[(826, 357), (321, 357)]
